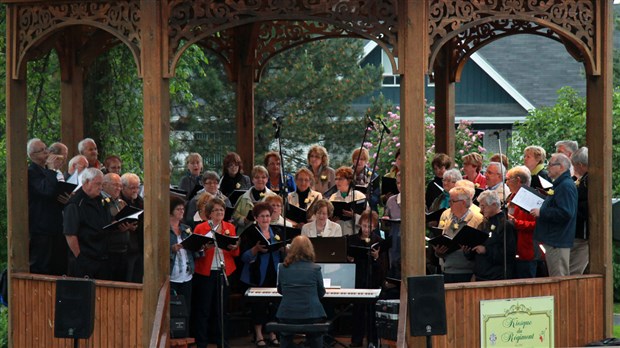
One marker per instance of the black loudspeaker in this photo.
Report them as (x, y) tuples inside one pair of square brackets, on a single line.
[(179, 318), (75, 308), (615, 219), (427, 305)]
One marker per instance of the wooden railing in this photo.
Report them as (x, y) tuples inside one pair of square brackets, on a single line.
[(159, 335), (118, 313), (578, 304)]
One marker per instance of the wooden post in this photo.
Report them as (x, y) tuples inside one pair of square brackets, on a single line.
[(599, 141), (413, 50), (245, 97), (71, 93), (444, 104), (16, 166), (156, 155)]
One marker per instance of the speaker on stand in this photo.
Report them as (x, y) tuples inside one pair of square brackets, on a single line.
[(75, 309), (426, 298)]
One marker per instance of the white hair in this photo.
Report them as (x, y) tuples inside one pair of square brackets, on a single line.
[(83, 142), (30, 146), (89, 174), (489, 197), (129, 176)]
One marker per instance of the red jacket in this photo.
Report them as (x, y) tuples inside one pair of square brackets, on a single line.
[(524, 224), (203, 264)]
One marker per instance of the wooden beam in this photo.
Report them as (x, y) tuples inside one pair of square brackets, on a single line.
[(413, 48), (156, 155), (16, 166), (245, 97), (445, 109), (599, 141), (71, 92)]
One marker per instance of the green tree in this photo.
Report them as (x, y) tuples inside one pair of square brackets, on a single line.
[(311, 89)]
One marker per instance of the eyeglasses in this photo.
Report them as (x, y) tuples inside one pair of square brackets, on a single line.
[(264, 216), (551, 164), (453, 201), (339, 178), (230, 165)]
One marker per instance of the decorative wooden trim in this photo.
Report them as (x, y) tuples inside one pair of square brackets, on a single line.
[(37, 21), (478, 23), (295, 22)]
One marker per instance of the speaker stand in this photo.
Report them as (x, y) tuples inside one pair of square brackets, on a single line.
[(429, 342), (76, 343)]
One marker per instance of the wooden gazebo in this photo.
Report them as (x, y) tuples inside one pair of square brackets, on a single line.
[(427, 36)]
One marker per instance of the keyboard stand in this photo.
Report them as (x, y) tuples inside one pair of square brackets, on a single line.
[(333, 341)]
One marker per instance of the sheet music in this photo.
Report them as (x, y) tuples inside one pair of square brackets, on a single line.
[(527, 199), (545, 183)]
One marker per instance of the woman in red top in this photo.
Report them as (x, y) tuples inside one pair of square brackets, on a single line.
[(525, 263), (472, 165), (208, 275)]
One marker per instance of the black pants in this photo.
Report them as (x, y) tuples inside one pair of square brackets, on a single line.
[(48, 254), (206, 307), (85, 266), (364, 315)]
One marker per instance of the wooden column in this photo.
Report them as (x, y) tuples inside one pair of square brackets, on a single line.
[(599, 142), (156, 155), (445, 109), (413, 51), (17, 165), (71, 93), (245, 96)]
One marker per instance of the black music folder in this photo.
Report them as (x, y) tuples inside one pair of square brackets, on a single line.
[(297, 214), (250, 216), (223, 241), (363, 188), (470, 236), (131, 218), (177, 192), (444, 240), (388, 185), (362, 251), (127, 211), (358, 207), (65, 188), (235, 195), (434, 215), (195, 242), (253, 235)]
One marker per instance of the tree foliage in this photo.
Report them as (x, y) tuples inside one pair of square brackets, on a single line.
[(311, 89)]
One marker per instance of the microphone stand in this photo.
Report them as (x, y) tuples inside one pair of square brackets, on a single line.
[(283, 192), (222, 267), (503, 202), (370, 125)]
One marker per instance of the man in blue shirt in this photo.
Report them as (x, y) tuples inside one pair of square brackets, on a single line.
[(556, 218)]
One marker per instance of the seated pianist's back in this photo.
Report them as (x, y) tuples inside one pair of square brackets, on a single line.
[(301, 284)]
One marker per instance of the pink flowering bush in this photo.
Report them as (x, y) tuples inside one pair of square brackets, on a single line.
[(466, 141)]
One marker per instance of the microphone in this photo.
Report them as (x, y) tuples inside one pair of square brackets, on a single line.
[(276, 121), (385, 127), (371, 123)]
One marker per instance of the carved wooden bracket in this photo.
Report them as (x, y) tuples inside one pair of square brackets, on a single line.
[(281, 25), (477, 23), (37, 21)]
